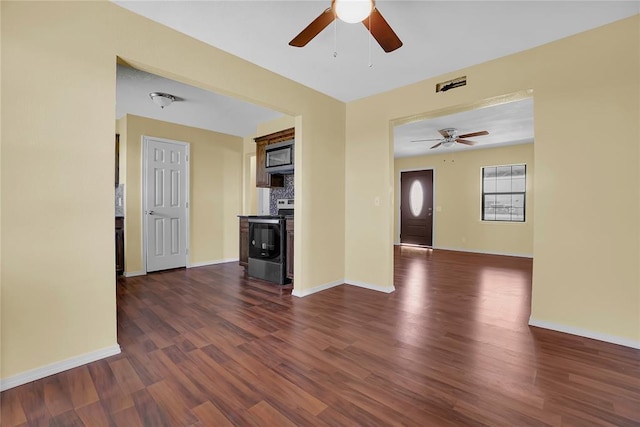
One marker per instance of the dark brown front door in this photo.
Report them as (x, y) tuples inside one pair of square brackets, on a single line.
[(416, 207)]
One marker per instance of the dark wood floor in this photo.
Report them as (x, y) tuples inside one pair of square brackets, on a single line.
[(451, 347)]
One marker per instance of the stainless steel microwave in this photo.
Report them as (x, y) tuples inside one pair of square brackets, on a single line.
[(280, 157)]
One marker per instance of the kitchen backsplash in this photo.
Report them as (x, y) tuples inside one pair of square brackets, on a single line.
[(119, 200), (286, 192)]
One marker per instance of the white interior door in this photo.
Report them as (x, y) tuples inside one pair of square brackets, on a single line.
[(166, 203)]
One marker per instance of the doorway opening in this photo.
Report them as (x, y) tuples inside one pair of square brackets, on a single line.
[(457, 144)]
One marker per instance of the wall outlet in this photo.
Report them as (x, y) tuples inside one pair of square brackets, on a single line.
[(376, 201), (438, 208)]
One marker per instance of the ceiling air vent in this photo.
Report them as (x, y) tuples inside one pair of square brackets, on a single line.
[(451, 84)]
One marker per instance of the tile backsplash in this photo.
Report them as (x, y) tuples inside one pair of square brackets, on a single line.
[(286, 192), (119, 200)]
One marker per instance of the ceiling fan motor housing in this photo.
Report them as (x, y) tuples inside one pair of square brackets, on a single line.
[(449, 132)]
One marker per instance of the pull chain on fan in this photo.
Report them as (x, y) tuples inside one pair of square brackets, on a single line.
[(335, 39)]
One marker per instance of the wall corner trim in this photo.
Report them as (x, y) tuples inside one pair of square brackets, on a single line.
[(306, 292), (584, 333), (134, 273), (386, 289), (57, 367)]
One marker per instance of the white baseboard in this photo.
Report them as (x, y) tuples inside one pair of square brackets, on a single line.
[(386, 290), (306, 292), (134, 273), (57, 367), (484, 252), (218, 261), (584, 333)]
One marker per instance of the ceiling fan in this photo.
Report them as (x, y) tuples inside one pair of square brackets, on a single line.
[(450, 137), (352, 11)]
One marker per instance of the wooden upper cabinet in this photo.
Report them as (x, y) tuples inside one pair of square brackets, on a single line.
[(264, 179)]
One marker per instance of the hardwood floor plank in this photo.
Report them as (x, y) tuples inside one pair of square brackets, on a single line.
[(56, 397), (227, 392), (126, 376), (281, 389), (93, 415), (148, 410), (11, 412), (127, 418), (109, 391), (170, 400), (209, 415), (31, 396), (189, 393), (67, 419), (451, 346), (269, 416)]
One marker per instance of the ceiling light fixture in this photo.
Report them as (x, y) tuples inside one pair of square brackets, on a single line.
[(353, 11), (448, 142), (162, 99)]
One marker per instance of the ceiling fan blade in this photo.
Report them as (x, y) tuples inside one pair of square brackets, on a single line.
[(444, 132), (465, 141), (313, 29), (382, 31), (437, 145), (470, 135), (425, 140)]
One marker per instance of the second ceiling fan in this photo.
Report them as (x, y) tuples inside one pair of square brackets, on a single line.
[(450, 137), (352, 11)]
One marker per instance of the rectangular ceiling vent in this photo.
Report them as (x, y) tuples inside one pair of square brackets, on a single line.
[(451, 84)]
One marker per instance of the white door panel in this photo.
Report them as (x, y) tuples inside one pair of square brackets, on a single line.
[(166, 204)]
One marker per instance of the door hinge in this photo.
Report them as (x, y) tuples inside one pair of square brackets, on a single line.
[(187, 252), (186, 158), (187, 204)]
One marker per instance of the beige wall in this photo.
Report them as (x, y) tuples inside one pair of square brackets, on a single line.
[(282, 123), (58, 294), (458, 195), (58, 278), (215, 196), (586, 236)]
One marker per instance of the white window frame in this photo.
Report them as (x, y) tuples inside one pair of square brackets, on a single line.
[(484, 193)]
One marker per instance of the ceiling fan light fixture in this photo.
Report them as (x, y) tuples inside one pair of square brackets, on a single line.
[(162, 99), (353, 11), (448, 143)]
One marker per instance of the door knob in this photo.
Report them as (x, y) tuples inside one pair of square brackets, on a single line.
[(151, 213)]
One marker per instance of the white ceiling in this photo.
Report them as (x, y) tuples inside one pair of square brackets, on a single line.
[(194, 107), (507, 124), (439, 37)]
